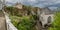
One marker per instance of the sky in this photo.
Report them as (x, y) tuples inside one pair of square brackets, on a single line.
[(38, 3)]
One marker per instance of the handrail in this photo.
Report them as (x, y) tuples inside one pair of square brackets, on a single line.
[(10, 26)]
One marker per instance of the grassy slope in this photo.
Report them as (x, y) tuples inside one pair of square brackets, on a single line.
[(56, 23)]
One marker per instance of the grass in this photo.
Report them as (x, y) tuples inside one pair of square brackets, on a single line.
[(22, 23), (56, 23)]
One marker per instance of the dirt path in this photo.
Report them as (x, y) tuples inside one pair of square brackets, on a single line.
[(2, 22)]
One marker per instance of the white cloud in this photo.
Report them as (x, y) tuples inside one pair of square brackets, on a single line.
[(9, 0), (39, 3), (31, 0), (12, 1), (53, 8)]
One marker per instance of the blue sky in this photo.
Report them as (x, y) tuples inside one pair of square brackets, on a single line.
[(38, 3)]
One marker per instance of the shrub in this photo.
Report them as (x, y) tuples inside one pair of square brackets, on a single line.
[(23, 23), (56, 23)]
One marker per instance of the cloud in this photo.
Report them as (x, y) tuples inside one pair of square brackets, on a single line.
[(12, 1), (53, 8), (32, 0), (41, 3), (37, 3)]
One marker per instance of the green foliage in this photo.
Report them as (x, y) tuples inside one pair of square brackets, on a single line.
[(9, 9), (27, 7), (56, 23), (17, 12), (23, 23), (14, 20)]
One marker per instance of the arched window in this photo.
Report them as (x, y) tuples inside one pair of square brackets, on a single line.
[(49, 19)]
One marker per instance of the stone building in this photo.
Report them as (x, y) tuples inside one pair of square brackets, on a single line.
[(45, 16), (18, 5)]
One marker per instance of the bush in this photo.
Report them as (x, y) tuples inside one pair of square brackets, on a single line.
[(56, 23), (23, 23)]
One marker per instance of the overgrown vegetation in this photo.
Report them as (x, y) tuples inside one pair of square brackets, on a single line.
[(28, 22), (23, 23), (56, 24), (19, 21)]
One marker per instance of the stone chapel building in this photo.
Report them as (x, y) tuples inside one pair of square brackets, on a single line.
[(45, 16)]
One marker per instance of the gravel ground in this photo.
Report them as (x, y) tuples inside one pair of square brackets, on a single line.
[(2, 22)]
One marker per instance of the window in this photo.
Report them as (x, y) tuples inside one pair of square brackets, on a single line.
[(49, 19)]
